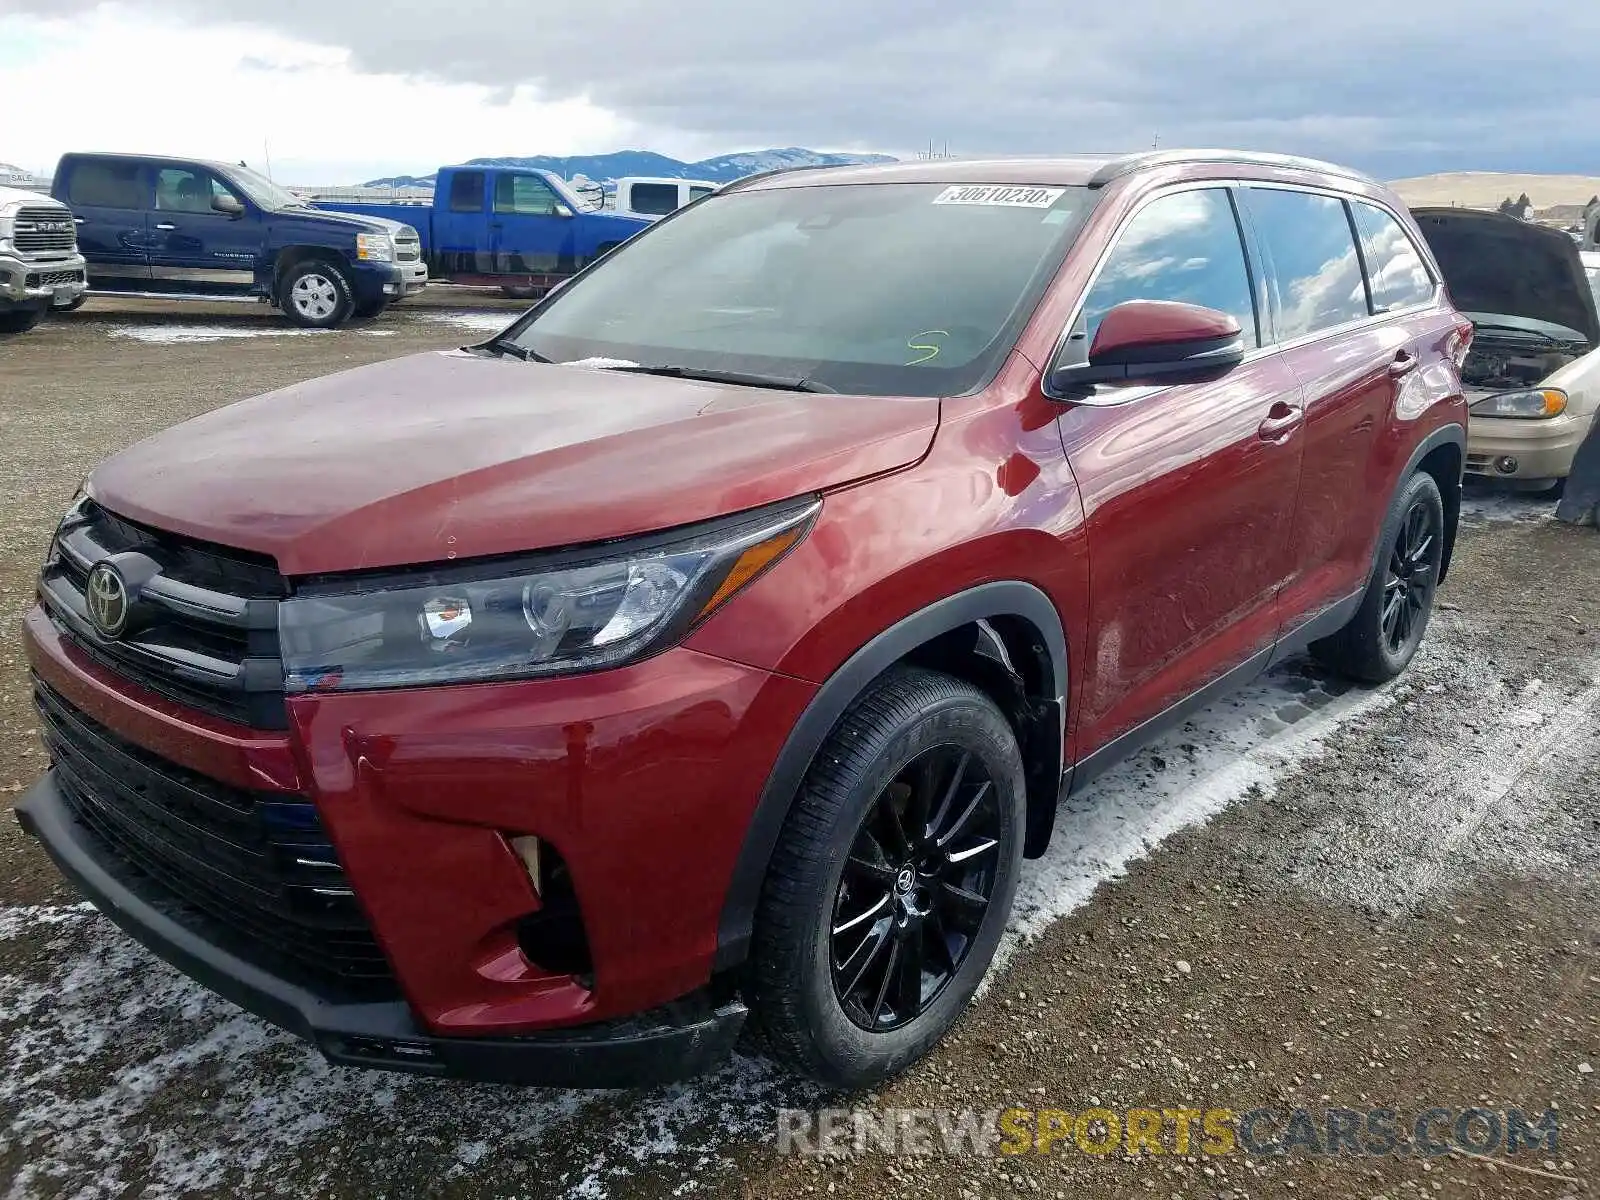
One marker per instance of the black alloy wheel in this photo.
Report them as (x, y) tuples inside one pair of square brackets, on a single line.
[(917, 881), (1412, 575)]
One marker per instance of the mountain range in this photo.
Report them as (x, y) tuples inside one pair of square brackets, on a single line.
[(606, 168)]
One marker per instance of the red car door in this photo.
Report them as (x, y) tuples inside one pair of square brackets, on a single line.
[(1354, 340), (1188, 490)]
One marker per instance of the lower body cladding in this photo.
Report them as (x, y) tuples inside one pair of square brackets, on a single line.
[(522, 882), (1537, 452), (26, 284)]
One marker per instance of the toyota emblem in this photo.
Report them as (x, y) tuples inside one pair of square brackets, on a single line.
[(107, 600)]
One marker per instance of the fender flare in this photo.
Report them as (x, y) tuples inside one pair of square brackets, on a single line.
[(1446, 435), (1011, 598)]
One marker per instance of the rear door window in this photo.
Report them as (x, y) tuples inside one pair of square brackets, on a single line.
[(1184, 246), (1396, 271), (466, 192), (107, 185), (1314, 274)]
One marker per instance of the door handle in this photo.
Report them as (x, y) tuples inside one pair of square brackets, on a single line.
[(1404, 363), (164, 225), (1281, 421)]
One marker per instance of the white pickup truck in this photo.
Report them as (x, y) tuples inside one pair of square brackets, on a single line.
[(638, 196), (40, 267)]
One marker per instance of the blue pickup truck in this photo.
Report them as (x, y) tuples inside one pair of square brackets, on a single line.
[(185, 228), (519, 229)]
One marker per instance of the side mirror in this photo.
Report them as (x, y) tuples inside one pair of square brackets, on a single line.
[(563, 210), (227, 204), (1156, 342)]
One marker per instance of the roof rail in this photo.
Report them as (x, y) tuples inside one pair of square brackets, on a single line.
[(1144, 160), (746, 180)]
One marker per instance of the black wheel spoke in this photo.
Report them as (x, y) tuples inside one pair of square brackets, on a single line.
[(879, 874), (936, 822), (982, 846), (881, 905), (960, 823), (954, 896), (854, 968), (908, 974), (942, 958), (888, 978), (896, 843)]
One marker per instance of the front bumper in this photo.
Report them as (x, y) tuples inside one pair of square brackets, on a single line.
[(26, 283), (642, 779), (402, 279), (651, 1049), (1530, 449)]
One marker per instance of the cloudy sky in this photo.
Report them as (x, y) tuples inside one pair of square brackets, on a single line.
[(345, 90)]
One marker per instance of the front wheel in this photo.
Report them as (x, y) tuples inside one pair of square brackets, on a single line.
[(891, 883), (1380, 640), (20, 320), (316, 295)]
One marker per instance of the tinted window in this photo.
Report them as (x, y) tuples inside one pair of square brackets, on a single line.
[(179, 189), (1316, 276), (1184, 246), (853, 287), (466, 191), (696, 192), (106, 185), (654, 199), (1396, 271), (525, 194)]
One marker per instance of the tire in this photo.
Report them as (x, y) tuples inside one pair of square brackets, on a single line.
[(522, 293), (838, 915), (1379, 642), (20, 320), (315, 294), (368, 309)]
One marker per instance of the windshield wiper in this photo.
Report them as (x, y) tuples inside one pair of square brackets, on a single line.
[(781, 383), (1533, 335), (503, 346)]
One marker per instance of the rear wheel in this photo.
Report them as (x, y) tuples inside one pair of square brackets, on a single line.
[(1381, 639), (892, 881), (517, 292), (316, 295), (20, 320)]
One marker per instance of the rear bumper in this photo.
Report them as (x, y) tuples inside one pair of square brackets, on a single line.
[(649, 1049)]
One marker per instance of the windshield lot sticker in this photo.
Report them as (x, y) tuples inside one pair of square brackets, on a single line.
[(999, 196)]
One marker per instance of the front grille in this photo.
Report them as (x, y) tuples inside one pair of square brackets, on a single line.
[(251, 871), (203, 622), (39, 228), (51, 278)]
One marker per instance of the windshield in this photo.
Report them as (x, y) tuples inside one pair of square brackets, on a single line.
[(1594, 282), (263, 191), (882, 289)]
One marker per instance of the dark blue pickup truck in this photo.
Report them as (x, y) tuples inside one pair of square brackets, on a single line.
[(192, 229), (515, 228)]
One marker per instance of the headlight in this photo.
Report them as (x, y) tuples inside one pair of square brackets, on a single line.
[(562, 613), (1535, 403), (374, 247)]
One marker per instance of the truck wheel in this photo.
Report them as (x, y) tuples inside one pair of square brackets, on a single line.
[(522, 293), (20, 320), (891, 882), (316, 295), (1379, 641)]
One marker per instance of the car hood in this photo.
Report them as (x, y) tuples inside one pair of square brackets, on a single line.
[(1495, 264), (357, 220), (457, 454)]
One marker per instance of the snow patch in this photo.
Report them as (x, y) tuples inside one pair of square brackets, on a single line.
[(478, 322), (170, 335)]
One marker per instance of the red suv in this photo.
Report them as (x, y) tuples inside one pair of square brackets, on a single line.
[(713, 645)]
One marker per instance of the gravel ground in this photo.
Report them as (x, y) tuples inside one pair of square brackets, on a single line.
[(1311, 896)]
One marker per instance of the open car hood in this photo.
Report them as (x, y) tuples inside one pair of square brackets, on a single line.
[(1497, 264)]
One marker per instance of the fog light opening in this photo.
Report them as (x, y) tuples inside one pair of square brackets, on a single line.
[(1506, 465), (553, 938)]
